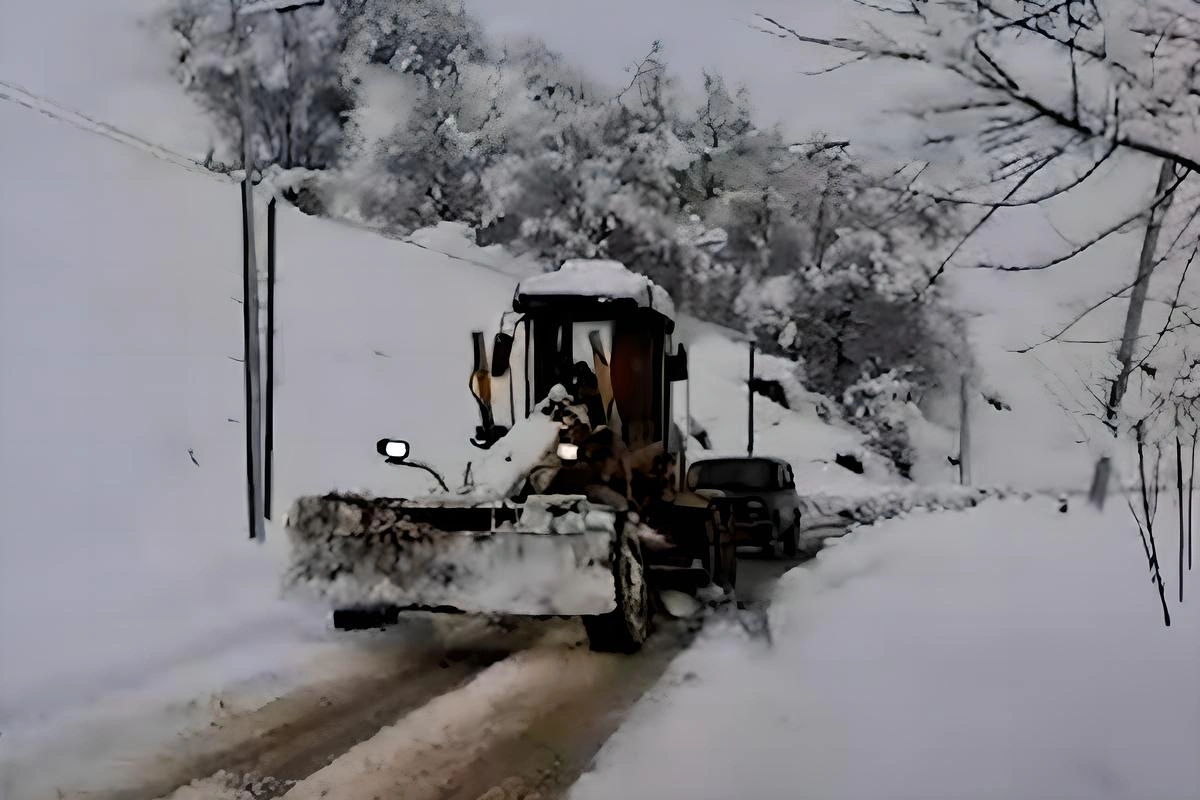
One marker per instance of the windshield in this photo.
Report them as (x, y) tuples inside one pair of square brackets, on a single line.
[(733, 474)]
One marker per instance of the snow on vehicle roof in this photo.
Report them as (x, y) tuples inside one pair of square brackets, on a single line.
[(600, 278)]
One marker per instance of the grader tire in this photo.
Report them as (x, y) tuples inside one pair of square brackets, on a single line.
[(625, 628)]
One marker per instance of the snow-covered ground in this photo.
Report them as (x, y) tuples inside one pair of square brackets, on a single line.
[(1009, 651), (132, 608)]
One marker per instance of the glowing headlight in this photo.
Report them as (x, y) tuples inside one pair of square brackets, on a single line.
[(395, 449), (568, 451)]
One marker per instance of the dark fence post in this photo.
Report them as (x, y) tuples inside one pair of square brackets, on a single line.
[(269, 423), (750, 415)]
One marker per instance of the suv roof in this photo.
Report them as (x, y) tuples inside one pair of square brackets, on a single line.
[(770, 459)]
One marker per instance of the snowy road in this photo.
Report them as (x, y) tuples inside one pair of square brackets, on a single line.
[(453, 708)]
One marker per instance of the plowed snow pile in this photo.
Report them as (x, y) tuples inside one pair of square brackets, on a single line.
[(1008, 651)]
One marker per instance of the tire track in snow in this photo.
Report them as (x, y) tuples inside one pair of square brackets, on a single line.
[(296, 734), (525, 727)]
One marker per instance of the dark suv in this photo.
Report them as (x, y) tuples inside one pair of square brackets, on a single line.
[(759, 493)]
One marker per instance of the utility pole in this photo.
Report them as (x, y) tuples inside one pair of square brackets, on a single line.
[(258, 490), (269, 442), (1133, 324), (750, 415), (250, 352)]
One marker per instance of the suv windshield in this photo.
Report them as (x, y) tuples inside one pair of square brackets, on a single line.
[(733, 474)]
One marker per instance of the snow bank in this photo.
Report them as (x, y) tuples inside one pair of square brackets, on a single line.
[(1009, 651)]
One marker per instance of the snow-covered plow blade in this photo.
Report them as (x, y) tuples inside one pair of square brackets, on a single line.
[(551, 555)]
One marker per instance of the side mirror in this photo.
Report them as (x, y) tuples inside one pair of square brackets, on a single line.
[(677, 366), (393, 450), (502, 347), (486, 437)]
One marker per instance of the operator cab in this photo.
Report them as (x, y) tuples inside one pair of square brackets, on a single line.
[(603, 333)]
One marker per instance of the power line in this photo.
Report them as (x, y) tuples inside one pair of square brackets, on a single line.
[(20, 96), (51, 108)]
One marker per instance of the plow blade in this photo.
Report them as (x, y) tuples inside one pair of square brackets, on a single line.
[(549, 556)]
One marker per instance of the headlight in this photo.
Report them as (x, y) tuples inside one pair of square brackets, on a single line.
[(568, 451), (395, 449)]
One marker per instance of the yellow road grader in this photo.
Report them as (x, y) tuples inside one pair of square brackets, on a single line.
[(576, 506)]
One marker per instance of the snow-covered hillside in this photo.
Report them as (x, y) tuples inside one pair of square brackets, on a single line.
[(107, 60), (121, 326)]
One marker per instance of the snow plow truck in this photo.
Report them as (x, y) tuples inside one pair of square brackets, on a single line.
[(576, 505)]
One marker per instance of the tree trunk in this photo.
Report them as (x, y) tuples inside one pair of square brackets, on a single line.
[(964, 432), (1133, 322)]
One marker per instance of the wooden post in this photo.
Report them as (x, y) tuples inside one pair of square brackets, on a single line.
[(750, 415), (269, 434), (1099, 489), (964, 433), (250, 360)]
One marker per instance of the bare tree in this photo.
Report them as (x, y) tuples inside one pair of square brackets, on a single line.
[(1051, 91)]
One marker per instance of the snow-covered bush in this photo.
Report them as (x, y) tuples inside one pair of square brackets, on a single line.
[(876, 406)]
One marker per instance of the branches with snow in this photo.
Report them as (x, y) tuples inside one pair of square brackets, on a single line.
[(291, 64), (1045, 92)]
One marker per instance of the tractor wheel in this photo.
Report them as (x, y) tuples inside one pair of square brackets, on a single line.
[(791, 539), (625, 628)]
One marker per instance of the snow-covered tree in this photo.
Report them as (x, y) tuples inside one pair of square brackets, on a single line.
[(427, 168), (600, 184), (876, 405), (717, 131), (430, 39), (291, 66)]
